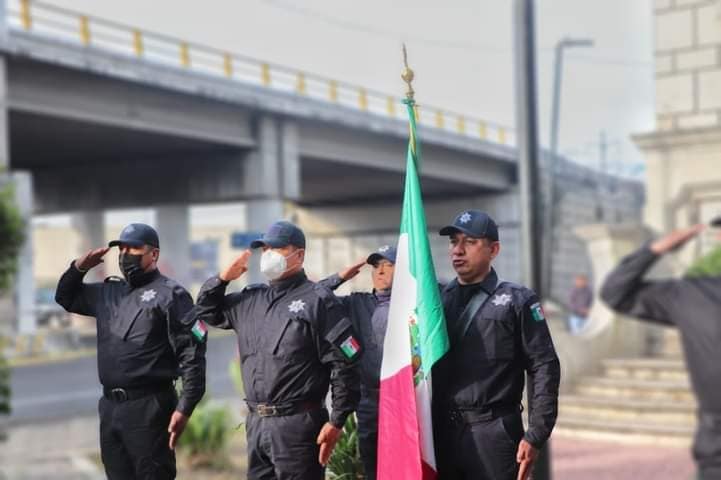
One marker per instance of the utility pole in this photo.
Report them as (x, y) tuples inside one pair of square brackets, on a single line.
[(602, 169), (603, 151), (527, 127)]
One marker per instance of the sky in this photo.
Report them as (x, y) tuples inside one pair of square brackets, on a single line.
[(460, 50)]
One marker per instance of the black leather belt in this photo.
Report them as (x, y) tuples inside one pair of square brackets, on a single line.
[(473, 415), (282, 409), (123, 394)]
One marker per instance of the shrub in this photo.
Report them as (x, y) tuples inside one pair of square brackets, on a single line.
[(707, 266), (345, 463), (11, 233), (206, 436)]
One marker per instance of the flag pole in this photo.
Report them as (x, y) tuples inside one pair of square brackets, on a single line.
[(407, 75)]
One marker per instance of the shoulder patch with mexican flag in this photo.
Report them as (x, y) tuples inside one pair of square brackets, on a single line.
[(350, 347), (200, 330), (537, 312)]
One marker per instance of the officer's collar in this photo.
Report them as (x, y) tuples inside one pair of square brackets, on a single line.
[(382, 293), (290, 282), (145, 278), (488, 284)]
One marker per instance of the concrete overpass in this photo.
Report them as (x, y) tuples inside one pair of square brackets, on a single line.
[(96, 116), (76, 106)]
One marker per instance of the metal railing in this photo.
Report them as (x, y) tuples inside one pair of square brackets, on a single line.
[(48, 20)]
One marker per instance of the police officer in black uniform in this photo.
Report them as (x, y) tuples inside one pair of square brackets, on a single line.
[(693, 305), (294, 341), (368, 313), (498, 333), (143, 345)]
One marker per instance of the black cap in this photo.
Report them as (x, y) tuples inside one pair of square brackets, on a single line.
[(281, 234), (137, 235), (387, 252), (716, 222), (473, 223)]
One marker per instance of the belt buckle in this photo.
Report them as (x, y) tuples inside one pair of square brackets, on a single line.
[(265, 410), (119, 394)]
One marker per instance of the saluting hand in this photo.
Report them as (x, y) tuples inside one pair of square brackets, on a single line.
[(327, 438), (526, 457), (91, 259), (237, 268), (352, 271), (676, 239), (177, 424)]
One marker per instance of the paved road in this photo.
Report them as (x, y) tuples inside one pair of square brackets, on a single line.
[(70, 388)]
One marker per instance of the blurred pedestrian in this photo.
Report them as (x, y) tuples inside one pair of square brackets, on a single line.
[(295, 341), (498, 334), (368, 311), (143, 344), (693, 305), (579, 303)]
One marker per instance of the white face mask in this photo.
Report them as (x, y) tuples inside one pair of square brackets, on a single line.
[(273, 264)]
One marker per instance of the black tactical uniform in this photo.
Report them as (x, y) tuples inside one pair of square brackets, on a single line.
[(142, 348), (694, 306), (368, 313), (478, 385), (294, 342)]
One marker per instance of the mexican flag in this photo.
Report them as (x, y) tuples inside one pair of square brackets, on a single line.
[(415, 339)]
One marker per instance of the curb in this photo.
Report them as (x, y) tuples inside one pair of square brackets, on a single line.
[(85, 466), (51, 358), (81, 353)]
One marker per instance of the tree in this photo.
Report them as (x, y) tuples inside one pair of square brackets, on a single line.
[(11, 240)]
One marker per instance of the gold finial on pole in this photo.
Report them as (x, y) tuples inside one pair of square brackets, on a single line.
[(407, 75)]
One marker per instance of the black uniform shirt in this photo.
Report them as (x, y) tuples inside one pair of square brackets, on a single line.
[(363, 308), (142, 340), (691, 304), (485, 368), (293, 340)]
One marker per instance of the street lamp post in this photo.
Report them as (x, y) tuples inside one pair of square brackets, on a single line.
[(552, 169)]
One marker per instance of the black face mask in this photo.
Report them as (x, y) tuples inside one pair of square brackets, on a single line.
[(130, 266)]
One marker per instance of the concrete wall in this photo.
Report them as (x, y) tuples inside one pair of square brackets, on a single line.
[(683, 153), (688, 63)]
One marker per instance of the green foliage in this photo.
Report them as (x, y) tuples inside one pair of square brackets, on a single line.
[(707, 266), (345, 463), (11, 233), (11, 240), (205, 439)]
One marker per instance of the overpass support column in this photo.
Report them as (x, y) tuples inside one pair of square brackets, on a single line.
[(272, 178), (90, 225), (25, 278), (22, 183), (173, 222)]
